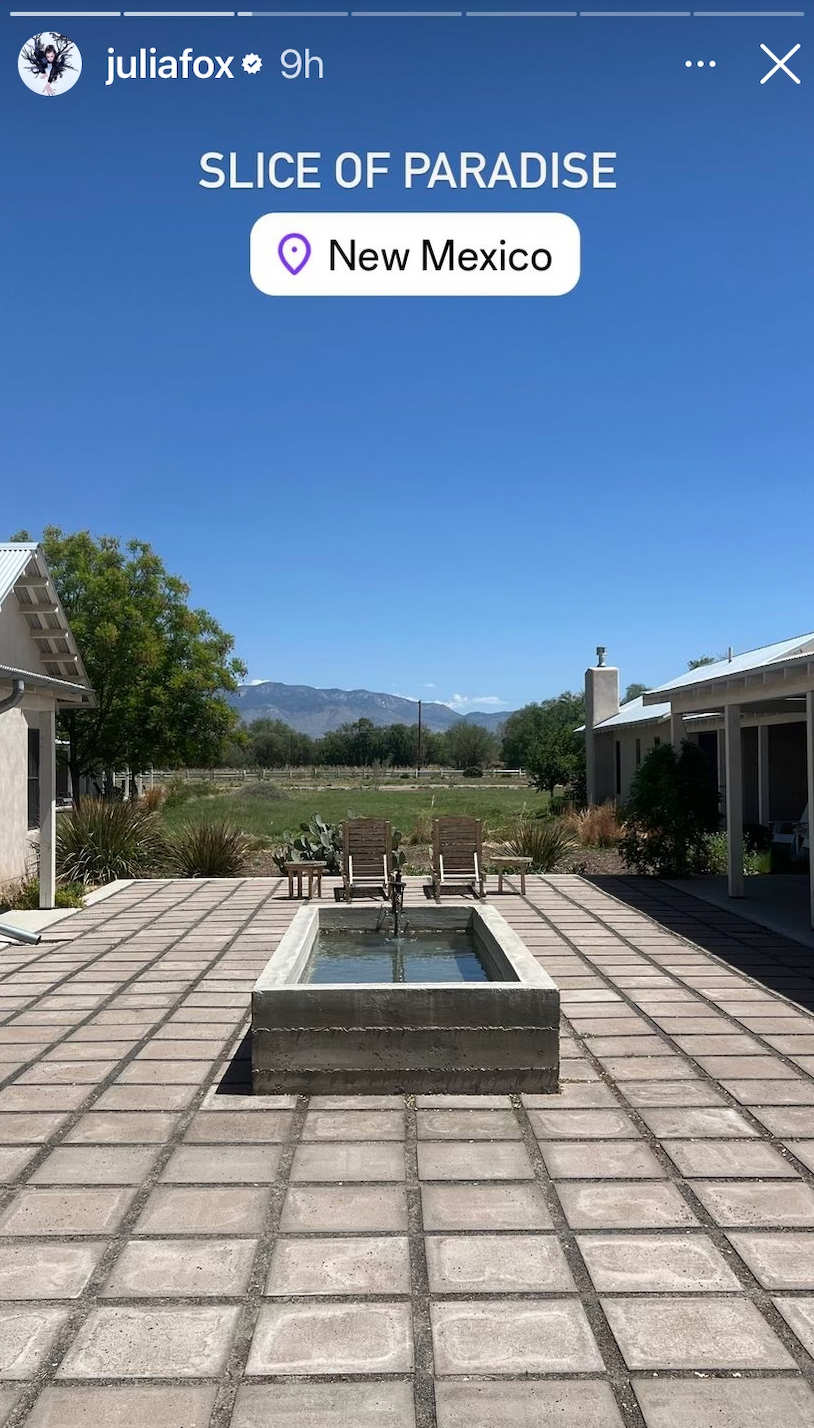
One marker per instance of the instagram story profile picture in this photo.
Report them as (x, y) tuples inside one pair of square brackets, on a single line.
[(50, 64)]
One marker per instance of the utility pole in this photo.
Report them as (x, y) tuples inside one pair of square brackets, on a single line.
[(418, 750)]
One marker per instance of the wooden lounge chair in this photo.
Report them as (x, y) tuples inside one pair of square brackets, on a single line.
[(367, 859), (457, 856)]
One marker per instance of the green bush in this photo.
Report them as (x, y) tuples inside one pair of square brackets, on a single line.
[(24, 895), (212, 848), (178, 792), (546, 841), (102, 840), (755, 860), (672, 810)]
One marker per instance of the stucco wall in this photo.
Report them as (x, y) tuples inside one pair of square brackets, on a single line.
[(16, 846), (627, 752), (19, 650)]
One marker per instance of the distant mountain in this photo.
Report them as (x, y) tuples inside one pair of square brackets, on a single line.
[(316, 711)]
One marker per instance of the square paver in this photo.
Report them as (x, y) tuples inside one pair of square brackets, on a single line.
[(656, 1264), (122, 1128), (154, 1342), (778, 1261), (65, 1212), (332, 1339), (354, 1264), (712, 1122), (468, 1125), (516, 1336), (354, 1125), (694, 1333), (485, 1206), (799, 1315), (46, 1271), (155, 1269), (515, 1404), (781, 1202), (96, 1165), (480, 1160), (635, 1206), (582, 1125), (496, 1264), (12, 1161), (741, 1159), (229, 1211), (725, 1403), (317, 1209), (124, 1406), (241, 1127), (351, 1160), (324, 1405), (26, 1335), (600, 1160), (225, 1164)]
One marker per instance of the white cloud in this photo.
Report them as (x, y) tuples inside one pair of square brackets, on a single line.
[(255, 681), (461, 703), (430, 686)]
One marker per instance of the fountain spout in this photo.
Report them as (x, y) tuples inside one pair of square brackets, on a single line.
[(397, 899)]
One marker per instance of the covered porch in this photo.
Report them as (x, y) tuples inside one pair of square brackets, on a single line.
[(749, 698)]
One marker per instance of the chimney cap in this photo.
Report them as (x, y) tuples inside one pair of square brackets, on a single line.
[(600, 656)]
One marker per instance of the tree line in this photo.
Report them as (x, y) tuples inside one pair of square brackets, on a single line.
[(161, 671)]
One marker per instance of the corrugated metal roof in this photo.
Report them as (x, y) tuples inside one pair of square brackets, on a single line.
[(636, 712), (740, 664), (14, 557)]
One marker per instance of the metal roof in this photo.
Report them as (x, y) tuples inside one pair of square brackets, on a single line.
[(44, 681), (636, 712), (739, 664), (14, 557), (24, 575)]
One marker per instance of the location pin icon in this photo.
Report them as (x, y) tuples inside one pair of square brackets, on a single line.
[(294, 251)]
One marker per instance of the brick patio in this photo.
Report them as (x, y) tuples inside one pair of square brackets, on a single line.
[(638, 1250)]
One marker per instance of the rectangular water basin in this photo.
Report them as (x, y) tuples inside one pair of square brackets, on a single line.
[(456, 1004)]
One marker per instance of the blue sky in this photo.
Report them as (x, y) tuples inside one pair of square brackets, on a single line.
[(461, 497)]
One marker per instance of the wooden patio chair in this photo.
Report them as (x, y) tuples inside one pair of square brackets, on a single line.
[(457, 856), (367, 858)]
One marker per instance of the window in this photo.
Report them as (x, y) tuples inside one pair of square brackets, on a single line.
[(638, 752), (657, 742), (33, 778), (618, 769)]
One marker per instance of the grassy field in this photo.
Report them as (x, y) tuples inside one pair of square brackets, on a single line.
[(267, 811)]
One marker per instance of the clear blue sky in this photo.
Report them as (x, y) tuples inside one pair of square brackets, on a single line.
[(460, 496)]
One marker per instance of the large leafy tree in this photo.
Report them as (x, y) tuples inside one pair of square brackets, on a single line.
[(542, 738), (158, 667), (470, 746)]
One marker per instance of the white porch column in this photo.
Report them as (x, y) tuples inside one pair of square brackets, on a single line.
[(734, 798), (676, 730), (48, 805), (763, 795), (810, 761)]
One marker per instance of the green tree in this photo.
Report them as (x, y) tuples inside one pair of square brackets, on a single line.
[(158, 667), (704, 660), (633, 691), (542, 739), (672, 808), (470, 746)]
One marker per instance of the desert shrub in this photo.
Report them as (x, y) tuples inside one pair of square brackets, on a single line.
[(321, 842), (179, 791), (672, 809), (210, 848), (25, 894), (596, 826), (421, 831), (101, 840), (755, 860), (473, 772), (546, 842), (153, 798), (262, 792)]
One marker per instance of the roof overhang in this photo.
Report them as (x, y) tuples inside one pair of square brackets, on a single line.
[(25, 578), (64, 691), (781, 679)]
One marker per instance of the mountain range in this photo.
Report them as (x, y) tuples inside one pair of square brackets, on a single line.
[(316, 711)]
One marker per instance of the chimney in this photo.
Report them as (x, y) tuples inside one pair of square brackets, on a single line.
[(601, 702)]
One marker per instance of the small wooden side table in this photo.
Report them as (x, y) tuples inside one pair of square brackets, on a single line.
[(512, 865), (313, 871)]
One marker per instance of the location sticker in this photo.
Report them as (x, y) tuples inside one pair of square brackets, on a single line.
[(294, 250)]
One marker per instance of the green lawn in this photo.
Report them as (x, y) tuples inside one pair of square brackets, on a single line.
[(267, 811)]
